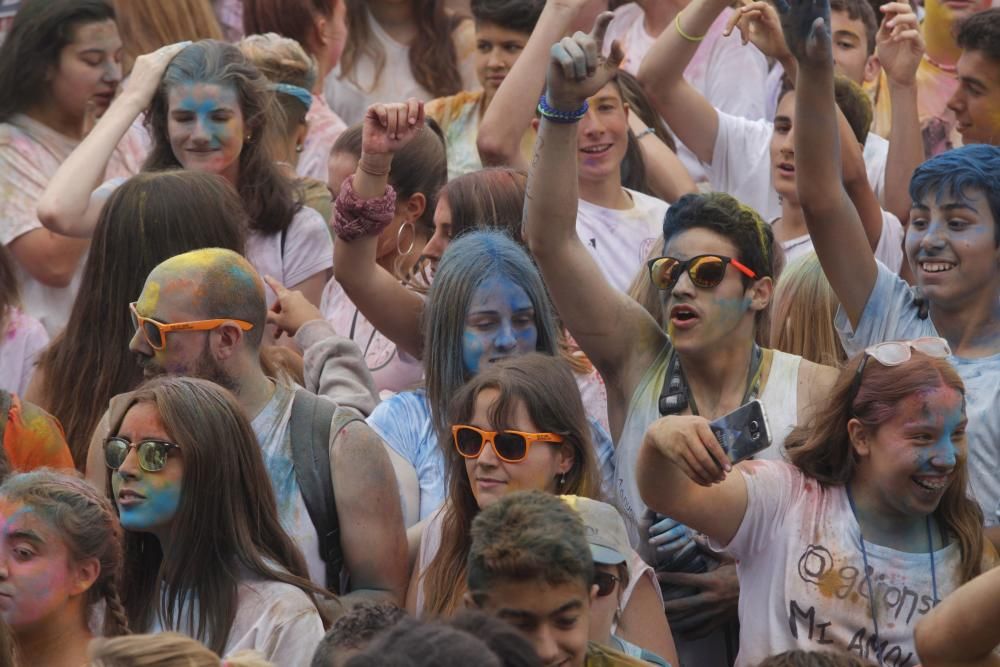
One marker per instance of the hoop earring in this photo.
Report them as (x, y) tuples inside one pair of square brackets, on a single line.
[(413, 238)]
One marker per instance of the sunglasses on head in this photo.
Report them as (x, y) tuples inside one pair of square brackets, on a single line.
[(704, 270), (605, 583), (155, 332), (152, 454), (897, 352), (509, 446)]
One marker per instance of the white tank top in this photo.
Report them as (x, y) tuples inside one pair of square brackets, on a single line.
[(780, 400)]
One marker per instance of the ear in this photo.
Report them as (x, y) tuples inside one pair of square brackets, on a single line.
[(415, 206), (858, 435), (593, 593), (84, 574), (566, 458), (534, 124), (300, 134), (873, 67), (318, 36), (760, 293), (227, 342)]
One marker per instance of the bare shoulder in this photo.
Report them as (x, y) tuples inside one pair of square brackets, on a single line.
[(357, 451)]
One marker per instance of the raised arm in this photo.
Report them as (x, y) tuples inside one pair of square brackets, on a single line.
[(834, 225), (614, 331), (513, 106), (667, 176), (964, 629), (900, 48), (70, 205), (691, 117), (390, 307)]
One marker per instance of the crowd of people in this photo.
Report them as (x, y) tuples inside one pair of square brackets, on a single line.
[(585, 333)]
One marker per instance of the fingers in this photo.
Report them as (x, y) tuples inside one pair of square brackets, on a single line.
[(578, 58), (731, 23), (563, 58), (615, 57), (414, 111), (170, 50), (711, 443), (277, 287), (601, 29)]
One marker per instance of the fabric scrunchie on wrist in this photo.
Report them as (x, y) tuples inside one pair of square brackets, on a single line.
[(355, 217)]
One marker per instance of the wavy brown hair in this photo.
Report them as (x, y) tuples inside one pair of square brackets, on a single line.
[(545, 386), (269, 197), (87, 525), (823, 449), (151, 217), (147, 25), (433, 58), (226, 522)]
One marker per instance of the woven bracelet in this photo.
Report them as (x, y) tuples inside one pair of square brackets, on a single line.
[(557, 116), (354, 217)]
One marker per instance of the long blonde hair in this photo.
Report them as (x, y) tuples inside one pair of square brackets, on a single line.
[(802, 314), (165, 649)]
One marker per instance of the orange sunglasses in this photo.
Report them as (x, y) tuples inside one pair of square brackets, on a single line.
[(155, 332), (510, 446)]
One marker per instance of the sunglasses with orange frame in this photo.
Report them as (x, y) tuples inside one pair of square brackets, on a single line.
[(155, 332)]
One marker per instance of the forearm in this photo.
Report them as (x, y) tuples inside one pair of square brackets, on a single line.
[(666, 174), (906, 149), (662, 485), (671, 53), (513, 106), (817, 140), (965, 627), (63, 206), (390, 307), (855, 178), (552, 197)]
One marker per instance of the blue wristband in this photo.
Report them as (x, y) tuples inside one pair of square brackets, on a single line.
[(557, 116)]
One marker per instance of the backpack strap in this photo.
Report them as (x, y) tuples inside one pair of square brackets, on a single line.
[(314, 419)]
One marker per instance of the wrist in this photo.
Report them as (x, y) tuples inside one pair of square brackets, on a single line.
[(375, 164), (901, 85), (565, 104)]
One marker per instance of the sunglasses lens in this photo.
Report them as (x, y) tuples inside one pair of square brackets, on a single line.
[(115, 451), (152, 455), (932, 347), (605, 583), (663, 272), (468, 442), (892, 354), (707, 271), (511, 446), (152, 334)]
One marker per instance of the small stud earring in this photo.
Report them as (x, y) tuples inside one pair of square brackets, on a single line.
[(299, 148)]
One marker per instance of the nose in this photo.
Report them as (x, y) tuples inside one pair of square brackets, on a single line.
[(683, 288), (494, 61), (945, 456), (139, 345), (505, 340), (488, 456), (934, 237), (788, 143), (113, 72), (957, 101), (200, 132), (435, 247), (545, 645), (591, 125), (129, 468)]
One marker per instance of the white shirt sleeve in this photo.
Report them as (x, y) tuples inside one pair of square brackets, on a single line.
[(308, 247), (741, 163), (890, 244)]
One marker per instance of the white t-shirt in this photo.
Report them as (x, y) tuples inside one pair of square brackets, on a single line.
[(890, 314), (889, 250), (274, 618), (21, 341), (308, 250), (802, 582), (729, 75), (741, 165), (271, 426), (350, 100), (620, 240)]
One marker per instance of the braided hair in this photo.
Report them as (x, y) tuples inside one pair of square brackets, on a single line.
[(87, 524)]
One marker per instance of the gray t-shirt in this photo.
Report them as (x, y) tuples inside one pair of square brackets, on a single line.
[(890, 314)]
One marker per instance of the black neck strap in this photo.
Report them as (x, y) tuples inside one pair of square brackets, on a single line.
[(675, 395)]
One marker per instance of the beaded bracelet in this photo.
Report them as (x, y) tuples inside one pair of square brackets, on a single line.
[(354, 217), (557, 116)]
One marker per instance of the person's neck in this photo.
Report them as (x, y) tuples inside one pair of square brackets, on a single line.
[(717, 376), (254, 391), (939, 39), (60, 643), (882, 524), (659, 13), (972, 327), (607, 193), (50, 115), (396, 18), (791, 224)]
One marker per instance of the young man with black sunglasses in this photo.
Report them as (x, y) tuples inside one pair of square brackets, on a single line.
[(702, 362)]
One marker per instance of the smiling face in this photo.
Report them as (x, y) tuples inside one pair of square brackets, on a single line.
[(147, 501), (702, 318), (497, 49), (555, 618), (491, 478), (951, 246), (783, 149), (38, 578), (602, 136), (499, 323), (911, 459), (976, 102), (205, 124), (89, 70)]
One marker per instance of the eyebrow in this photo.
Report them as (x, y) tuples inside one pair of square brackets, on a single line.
[(782, 119), (953, 206), (847, 33), (25, 534)]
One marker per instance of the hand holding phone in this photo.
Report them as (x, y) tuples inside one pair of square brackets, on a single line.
[(743, 432)]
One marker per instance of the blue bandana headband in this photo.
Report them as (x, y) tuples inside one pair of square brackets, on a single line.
[(299, 93)]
